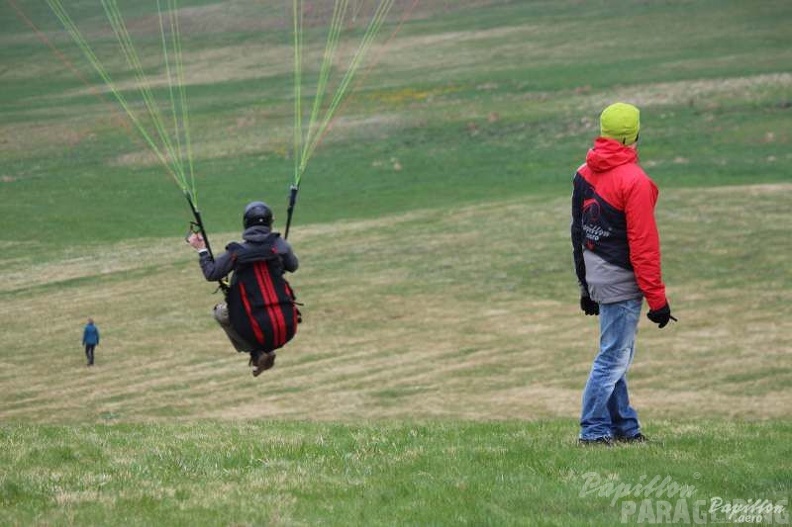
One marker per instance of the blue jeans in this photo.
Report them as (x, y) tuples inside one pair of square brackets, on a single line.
[(606, 405)]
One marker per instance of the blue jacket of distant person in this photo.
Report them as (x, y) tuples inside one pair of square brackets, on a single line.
[(90, 335)]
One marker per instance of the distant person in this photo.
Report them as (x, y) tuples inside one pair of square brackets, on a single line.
[(260, 315), (616, 250), (90, 340)]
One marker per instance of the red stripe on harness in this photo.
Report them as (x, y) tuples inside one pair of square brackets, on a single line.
[(280, 322), (253, 323), (263, 281)]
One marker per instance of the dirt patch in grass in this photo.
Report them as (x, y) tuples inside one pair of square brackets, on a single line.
[(696, 91), (27, 139)]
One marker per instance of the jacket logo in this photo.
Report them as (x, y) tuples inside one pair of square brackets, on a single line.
[(591, 223), (591, 209)]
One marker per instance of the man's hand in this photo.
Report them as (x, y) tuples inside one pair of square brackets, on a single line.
[(196, 241), (661, 316), (589, 306)]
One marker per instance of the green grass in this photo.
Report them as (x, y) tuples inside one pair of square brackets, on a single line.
[(437, 377), (436, 473)]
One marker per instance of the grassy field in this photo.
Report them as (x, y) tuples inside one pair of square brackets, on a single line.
[(405, 473), (436, 379)]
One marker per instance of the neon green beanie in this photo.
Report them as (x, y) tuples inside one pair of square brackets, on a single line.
[(622, 122)]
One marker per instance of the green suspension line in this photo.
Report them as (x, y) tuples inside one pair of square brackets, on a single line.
[(169, 149), (173, 148), (308, 137)]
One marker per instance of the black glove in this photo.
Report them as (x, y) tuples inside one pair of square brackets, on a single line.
[(589, 306), (661, 316)]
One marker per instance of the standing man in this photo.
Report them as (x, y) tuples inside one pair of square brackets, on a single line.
[(90, 340), (616, 250)]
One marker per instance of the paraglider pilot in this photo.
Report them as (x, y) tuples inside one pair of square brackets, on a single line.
[(260, 314)]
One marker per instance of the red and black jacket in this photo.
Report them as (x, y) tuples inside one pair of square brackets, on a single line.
[(616, 246)]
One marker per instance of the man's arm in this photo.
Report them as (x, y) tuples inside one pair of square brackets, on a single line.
[(644, 241), (214, 269), (289, 259), (576, 229)]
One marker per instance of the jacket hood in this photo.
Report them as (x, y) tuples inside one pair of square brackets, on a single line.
[(256, 234), (608, 154)]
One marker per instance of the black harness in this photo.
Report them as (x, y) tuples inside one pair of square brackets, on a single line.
[(261, 303)]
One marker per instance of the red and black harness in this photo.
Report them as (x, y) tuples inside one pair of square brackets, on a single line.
[(261, 303)]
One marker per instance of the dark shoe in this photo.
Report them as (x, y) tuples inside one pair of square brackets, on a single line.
[(604, 441), (265, 361), (637, 438)]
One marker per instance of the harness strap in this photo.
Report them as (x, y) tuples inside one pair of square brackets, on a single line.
[(290, 211), (198, 224)]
